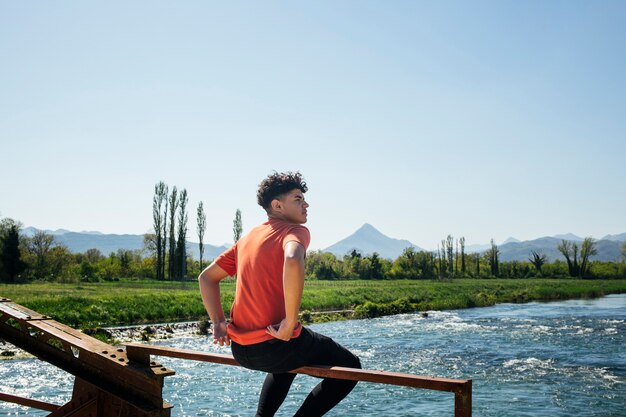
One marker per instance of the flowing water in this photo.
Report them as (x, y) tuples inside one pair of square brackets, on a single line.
[(538, 359)]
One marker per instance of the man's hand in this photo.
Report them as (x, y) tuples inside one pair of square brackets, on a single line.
[(219, 334), (282, 331)]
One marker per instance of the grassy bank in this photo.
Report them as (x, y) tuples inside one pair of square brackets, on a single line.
[(91, 305)]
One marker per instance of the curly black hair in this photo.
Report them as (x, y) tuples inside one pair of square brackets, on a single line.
[(278, 184)]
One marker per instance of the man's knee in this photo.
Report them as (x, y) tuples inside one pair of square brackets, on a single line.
[(356, 362)]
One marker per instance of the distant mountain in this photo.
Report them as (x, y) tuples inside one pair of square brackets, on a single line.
[(477, 248), (107, 243), (569, 236), (30, 231), (368, 240), (616, 238), (521, 251)]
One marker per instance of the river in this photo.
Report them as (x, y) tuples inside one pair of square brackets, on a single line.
[(537, 359)]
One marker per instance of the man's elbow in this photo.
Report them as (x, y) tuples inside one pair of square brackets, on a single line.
[(212, 273), (294, 261)]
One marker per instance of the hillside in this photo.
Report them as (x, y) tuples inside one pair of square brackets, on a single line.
[(106, 243)]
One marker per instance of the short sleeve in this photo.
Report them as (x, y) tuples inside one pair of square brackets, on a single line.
[(298, 234), (228, 260)]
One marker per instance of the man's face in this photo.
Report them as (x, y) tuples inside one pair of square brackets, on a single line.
[(292, 207)]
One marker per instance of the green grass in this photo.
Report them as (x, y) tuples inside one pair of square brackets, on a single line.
[(91, 305)]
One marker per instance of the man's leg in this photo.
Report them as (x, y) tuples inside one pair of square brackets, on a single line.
[(329, 392), (273, 393)]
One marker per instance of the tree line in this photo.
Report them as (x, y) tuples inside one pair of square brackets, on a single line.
[(451, 261), (165, 256)]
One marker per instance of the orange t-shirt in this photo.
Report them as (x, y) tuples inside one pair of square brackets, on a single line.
[(258, 260)]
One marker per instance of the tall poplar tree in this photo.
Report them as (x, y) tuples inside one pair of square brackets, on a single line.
[(173, 206), (456, 258), (181, 245), (164, 233), (462, 243), (159, 218), (493, 259), (201, 229), (237, 226)]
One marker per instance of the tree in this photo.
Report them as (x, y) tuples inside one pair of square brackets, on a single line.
[(237, 226), (587, 250), (624, 252), (125, 258), (376, 267), (159, 218), (201, 229), (93, 255), (173, 206), (570, 251), (477, 265), (352, 265), (181, 249), (456, 258), (406, 266), (440, 261), (538, 260), (322, 265), (164, 241), (493, 259), (10, 255), (449, 242), (39, 245), (462, 243)]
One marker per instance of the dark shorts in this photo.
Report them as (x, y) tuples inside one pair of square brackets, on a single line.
[(278, 356)]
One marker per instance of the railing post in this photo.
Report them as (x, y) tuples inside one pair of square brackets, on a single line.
[(463, 401)]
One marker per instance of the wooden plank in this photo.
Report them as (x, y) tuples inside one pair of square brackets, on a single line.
[(463, 401), (19, 312), (383, 377), (182, 353), (74, 337), (28, 402)]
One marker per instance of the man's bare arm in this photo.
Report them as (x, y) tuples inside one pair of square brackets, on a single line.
[(293, 285), (209, 281)]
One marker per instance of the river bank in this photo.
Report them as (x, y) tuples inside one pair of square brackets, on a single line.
[(131, 302), (90, 305)]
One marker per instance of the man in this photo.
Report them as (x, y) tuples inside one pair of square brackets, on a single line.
[(264, 330)]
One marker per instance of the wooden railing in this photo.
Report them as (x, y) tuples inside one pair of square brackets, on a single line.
[(113, 381), (106, 383), (461, 388)]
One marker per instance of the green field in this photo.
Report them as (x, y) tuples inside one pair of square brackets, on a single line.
[(91, 305)]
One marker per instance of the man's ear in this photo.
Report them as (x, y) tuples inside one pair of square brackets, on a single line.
[(276, 205)]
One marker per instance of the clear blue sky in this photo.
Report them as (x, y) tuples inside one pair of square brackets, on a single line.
[(483, 119)]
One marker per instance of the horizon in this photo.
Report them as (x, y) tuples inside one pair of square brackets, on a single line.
[(483, 120), (469, 244)]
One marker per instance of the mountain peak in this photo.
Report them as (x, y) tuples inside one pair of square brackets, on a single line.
[(368, 230), (569, 236), (367, 240), (511, 240)]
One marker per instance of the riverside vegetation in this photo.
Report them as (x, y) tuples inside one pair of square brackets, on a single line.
[(127, 302)]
